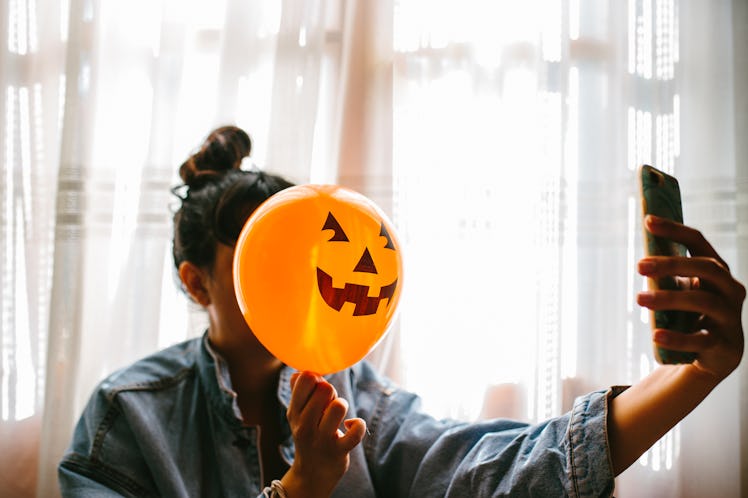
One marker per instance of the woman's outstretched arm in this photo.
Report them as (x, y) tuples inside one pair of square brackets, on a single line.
[(645, 412)]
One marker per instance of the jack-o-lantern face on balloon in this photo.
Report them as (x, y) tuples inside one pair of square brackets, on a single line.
[(337, 257), (318, 274)]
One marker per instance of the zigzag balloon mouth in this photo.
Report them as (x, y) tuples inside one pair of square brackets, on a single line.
[(357, 294)]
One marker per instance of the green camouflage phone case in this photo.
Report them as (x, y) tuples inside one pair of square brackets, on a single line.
[(661, 197)]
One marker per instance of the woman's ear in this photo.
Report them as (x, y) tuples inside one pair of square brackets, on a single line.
[(194, 280)]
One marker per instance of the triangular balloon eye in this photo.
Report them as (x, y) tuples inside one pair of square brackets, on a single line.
[(383, 233), (332, 224)]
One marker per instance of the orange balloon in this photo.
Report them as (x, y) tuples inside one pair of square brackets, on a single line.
[(318, 274)]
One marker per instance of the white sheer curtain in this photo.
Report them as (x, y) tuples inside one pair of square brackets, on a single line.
[(102, 101), (501, 136), (518, 126)]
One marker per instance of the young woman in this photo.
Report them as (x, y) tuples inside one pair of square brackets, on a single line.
[(220, 416)]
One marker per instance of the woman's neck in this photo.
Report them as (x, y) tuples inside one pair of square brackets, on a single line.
[(253, 369)]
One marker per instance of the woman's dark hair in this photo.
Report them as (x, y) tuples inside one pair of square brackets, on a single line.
[(217, 196)]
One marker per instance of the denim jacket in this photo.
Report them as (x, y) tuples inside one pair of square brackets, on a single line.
[(169, 425)]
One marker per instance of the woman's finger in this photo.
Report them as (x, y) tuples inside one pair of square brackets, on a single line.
[(698, 301), (333, 416), (689, 343), (302, 389), (693, 239), (708, 270), (312, 413), (355, 431)]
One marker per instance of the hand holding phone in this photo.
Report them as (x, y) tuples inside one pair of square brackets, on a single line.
[(660, 196)]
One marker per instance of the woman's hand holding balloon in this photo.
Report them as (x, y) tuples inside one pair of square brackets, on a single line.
[(315, 415)]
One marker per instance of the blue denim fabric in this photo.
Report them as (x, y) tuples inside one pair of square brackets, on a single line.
[(170, 426)]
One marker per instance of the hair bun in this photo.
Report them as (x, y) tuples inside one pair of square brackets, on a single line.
[(222, 150)]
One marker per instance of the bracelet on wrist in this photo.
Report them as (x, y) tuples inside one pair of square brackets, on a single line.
[(277, 490)]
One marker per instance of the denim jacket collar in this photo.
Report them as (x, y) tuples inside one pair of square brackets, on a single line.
[(214, 374)]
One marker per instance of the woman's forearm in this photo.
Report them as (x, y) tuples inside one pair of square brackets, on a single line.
[(641, 415)]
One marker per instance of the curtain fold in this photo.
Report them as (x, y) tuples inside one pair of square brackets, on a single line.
[(32, 62)]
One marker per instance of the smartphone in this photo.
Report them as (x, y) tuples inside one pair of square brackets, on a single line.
[(660, 196)]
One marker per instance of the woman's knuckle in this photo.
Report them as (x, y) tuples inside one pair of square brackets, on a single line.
[(325, 389), (741, 291), (299, 433)]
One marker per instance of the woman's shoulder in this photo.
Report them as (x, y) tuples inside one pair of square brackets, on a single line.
[(366, 374), (159, 369), (370, 390), (126, 428)]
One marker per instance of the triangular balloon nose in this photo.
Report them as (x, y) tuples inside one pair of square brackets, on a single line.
[(366, 264)]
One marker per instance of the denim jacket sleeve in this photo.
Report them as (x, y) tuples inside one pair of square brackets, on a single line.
[(412, 454)]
